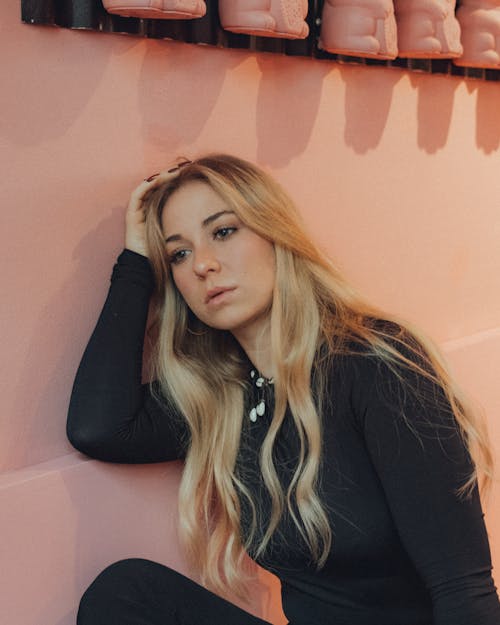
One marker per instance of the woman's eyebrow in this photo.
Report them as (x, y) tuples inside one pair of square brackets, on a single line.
[(206, 222)]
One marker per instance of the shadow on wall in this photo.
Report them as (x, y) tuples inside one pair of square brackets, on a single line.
[(133, 522), (368, 101), (43, 405), (434, 110), (368, 97), (20, 121), (185, 105), (287, 106), (488, 116), (289, 93)]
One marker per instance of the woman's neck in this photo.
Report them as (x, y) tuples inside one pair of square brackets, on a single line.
[(256, 343)]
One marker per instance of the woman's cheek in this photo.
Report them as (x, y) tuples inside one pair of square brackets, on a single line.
[(182, 287)]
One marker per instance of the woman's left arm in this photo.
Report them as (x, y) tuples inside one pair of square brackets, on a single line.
[(418, 452)]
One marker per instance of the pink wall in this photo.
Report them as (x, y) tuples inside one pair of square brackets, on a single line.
[(396, 173)]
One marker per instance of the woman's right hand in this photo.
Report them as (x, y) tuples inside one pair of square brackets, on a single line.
[(135, 221)]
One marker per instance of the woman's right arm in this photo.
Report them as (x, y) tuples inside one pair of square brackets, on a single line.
[(112, 415)]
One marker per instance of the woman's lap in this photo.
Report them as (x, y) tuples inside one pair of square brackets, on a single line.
[(142, 592)]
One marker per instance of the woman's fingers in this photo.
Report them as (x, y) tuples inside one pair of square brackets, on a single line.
[(139, 192), (135, 236), (152, 181)]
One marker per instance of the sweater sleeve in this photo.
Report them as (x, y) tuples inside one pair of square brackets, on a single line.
[(112, 415), (417, 451)]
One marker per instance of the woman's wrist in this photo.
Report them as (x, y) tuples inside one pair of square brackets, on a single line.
[(135, 267), (136, 252), (136, 249), (135, 244)]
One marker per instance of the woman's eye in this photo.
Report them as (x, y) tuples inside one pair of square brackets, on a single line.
[(223, 233), (178, 256)]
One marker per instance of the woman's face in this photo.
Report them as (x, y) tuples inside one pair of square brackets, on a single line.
[(224, 270)]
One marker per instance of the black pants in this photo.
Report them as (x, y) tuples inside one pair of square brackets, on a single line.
[(141, 592)]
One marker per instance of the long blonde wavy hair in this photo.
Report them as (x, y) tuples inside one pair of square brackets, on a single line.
[(313, 310)]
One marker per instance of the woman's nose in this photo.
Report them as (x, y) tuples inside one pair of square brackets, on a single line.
[(205, 262)]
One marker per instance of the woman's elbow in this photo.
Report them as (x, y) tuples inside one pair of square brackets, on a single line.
[(83, 437)]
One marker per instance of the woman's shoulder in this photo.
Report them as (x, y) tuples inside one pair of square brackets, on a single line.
[(377, 341), (385, 341), (388, 360)]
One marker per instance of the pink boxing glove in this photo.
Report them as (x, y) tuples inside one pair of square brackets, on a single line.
[(265, 18), (427, 29), (480, 23), (359, 28), (157, 9)]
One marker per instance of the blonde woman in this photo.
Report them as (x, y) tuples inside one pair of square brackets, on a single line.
[(320, 436)]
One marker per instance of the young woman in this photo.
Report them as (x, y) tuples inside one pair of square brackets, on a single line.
[(320, 436)]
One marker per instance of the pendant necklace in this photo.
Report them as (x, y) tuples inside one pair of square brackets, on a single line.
[(261, 384)]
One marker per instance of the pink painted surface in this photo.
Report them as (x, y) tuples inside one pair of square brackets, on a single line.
[(60, 527), (67, 519), (396, 174)]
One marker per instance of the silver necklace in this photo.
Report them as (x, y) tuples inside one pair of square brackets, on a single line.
[(258, 381)]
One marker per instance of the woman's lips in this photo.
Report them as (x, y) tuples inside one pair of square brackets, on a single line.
[(217, 294)]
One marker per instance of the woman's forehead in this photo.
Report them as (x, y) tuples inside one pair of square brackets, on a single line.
[(191, 204)]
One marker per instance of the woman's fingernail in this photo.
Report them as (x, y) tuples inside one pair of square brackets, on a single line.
[(152, 177), (177, 167)]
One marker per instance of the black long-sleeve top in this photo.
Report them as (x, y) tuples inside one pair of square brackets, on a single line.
[(406, 549)]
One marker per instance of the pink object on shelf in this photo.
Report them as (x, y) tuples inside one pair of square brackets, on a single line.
[(157, 9), (427, 29), (480, 23), (359, 28), (266, 18)]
